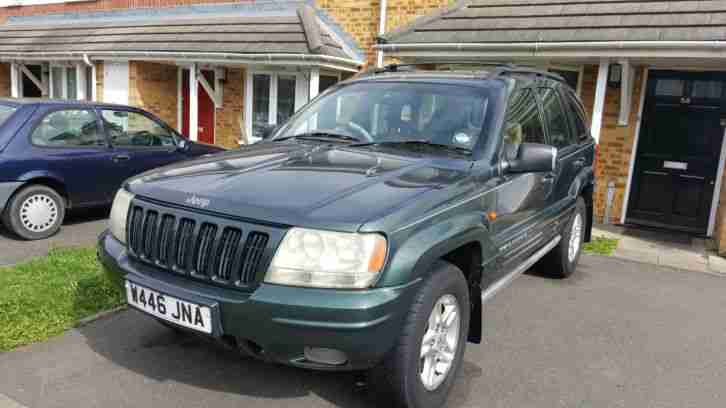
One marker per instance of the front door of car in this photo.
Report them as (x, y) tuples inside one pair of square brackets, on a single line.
[(70, 144), (139, 141), (521, 198)]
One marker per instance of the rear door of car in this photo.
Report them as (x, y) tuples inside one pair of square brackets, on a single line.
[(140, 141), (68, 143), (570, 155)]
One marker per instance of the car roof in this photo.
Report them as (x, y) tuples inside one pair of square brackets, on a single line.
[(57, 102), (516, 76)]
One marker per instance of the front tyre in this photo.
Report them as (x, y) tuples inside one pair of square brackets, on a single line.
[(420, 371), (562, 261), (35, 212)]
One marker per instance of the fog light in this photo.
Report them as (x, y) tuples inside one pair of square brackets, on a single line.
[(325, 356)]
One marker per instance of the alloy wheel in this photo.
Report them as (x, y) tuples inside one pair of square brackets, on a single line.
[(440, 342)]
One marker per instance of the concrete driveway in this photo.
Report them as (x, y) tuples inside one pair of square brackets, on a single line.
[(80, 228), (618, 334)]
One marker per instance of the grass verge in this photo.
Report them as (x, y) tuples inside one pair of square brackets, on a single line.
[(43, 297), (601, 246)]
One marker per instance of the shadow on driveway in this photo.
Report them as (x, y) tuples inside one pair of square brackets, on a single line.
[(138, 343)]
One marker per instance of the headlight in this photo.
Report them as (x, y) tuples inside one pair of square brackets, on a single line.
[(119, 213), (324, 259)]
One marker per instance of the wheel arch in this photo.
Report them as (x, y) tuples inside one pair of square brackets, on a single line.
[(49, 180), (584, 186), (462, 241)]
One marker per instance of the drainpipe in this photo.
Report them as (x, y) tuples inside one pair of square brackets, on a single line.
[(381, 31)]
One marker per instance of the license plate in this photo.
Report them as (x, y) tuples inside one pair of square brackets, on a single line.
[(169, 308)]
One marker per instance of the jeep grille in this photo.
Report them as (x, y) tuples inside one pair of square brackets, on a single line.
[(203, 247)]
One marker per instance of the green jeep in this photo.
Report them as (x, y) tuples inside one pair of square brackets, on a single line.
[(367, 232)]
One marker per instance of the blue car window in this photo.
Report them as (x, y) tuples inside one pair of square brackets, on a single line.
[(68, 128), (6, 112), (133, 129)]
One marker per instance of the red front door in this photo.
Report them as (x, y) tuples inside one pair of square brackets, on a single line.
[(205, 111)]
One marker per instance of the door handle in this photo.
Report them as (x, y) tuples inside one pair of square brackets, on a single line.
[(579, 163), (120, 157)]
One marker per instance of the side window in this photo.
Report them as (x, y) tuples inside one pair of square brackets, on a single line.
[(556, 118), (522, 123), (135, 129), (582, 130), (69, 128)]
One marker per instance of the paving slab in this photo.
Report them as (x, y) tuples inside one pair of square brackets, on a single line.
[(616, 334)]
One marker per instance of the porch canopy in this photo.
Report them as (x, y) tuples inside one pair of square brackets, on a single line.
[(567, 30), (670, 34), (298, 37)]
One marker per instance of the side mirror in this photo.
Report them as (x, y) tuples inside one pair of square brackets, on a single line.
[(267, 130), (533, 158), (183, 145)]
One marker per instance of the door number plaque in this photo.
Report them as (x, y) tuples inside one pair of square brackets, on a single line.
[(674, 165)]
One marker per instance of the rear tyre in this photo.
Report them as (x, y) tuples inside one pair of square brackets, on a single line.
[(562, 261), (34, 212), (420, 370)]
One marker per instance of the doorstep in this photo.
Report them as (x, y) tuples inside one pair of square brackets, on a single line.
[(663, 248)]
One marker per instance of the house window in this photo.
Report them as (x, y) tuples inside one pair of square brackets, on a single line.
[(326, 81), (71, 82), (572, 76), (274, 98)]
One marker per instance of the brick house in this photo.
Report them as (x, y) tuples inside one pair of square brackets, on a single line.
[(217, 71), (652, 75), (648, 71)]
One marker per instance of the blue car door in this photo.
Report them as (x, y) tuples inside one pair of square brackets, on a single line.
[(69, 144), (141, 141)]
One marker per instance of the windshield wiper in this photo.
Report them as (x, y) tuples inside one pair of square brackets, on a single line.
[(320, 136), (424, 143)]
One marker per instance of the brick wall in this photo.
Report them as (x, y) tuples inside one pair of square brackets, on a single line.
[(153, 87), (4, 79), (616, 142), (99, 81), (228, 120), (360, 18)]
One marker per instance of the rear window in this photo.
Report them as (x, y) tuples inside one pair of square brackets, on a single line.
[(6, 112)]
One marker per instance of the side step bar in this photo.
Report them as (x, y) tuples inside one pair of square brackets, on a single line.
[(493, 289)]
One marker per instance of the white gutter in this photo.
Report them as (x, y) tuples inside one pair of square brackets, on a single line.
[(381, 32), (345, 64), (543, 46)]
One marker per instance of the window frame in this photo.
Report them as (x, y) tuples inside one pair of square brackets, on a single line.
[(175, 135), (574, 141), (574, 114), (301, 96), (540, 113), (83, 80), (580, 74), (44, 114)]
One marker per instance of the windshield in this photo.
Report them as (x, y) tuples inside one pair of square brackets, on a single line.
[(395, 112), (6, 112)]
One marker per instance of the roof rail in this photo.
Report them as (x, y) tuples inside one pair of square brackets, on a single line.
[(508, 69), (499, 69), (394, 68)]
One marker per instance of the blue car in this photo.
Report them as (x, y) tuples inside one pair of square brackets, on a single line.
[(61, 155)]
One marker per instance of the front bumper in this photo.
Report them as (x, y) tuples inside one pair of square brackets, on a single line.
[(281, 321)]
